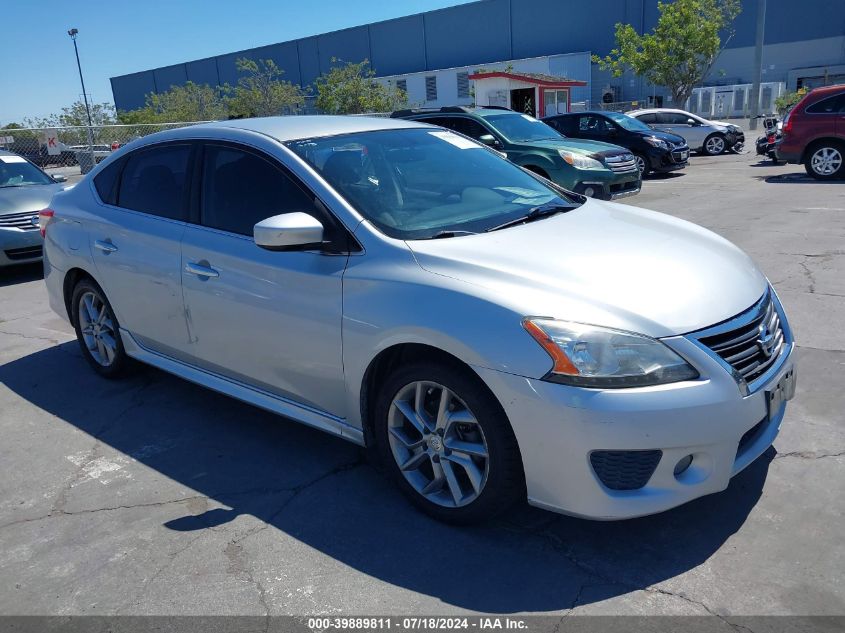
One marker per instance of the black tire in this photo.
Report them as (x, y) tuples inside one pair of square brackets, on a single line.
[(646, 170), (714, 151), (505, 483), (835, 148), (121, 362)]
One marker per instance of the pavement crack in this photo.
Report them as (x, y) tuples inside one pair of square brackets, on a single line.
[(29, 337), (808, 455)]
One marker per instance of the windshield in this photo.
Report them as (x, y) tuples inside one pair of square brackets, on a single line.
[(521, 127), (423, 183), (16, 171), (628, 122)]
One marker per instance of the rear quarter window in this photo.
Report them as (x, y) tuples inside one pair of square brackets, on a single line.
[(106, 182), (830, 105)]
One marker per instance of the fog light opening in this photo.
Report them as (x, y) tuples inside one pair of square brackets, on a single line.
[(589, 192), (682, 465)]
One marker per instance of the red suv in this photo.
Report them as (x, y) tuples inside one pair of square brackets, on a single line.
[(814, 133)]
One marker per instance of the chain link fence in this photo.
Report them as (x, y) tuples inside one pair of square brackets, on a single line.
[(75, 150)]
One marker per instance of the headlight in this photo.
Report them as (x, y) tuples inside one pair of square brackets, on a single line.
[(656, 142), (579, 161), (592, 356)]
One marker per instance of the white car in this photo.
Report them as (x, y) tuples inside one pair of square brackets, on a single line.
[(710, 137), (490, 335)]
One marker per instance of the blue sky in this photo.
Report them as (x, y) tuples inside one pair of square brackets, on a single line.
[(38, 71)]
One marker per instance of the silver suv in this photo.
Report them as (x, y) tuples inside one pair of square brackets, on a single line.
[(489, 335), (709, 137)]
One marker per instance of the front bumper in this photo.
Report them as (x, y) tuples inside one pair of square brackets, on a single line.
[(609, 190), (558, 427), (666, 160), (735, 139), (19, 247)]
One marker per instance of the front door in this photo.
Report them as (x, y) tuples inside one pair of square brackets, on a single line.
[(269, 319)]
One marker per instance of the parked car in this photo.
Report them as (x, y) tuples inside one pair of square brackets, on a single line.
[(814, 133), (595, 169), (710, 137), (654, 151), (24, 191), (406, 288)]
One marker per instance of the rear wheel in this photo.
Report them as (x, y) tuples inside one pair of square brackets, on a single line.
[(447, 443), (97, 330), (825, 160), (714, 145)]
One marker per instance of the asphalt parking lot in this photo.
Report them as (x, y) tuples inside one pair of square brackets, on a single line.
[(154, 496)]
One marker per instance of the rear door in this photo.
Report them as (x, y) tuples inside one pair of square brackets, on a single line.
[(269, 319), (135, 244)]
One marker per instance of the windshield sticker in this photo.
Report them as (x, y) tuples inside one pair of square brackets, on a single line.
[(457, 141), (12, 159)]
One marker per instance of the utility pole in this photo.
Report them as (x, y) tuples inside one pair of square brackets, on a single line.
[(73, 33), (758, 62)]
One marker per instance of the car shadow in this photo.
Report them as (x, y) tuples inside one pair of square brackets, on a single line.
[(12, 275), (669, 175), (798, 178), (318, 490)]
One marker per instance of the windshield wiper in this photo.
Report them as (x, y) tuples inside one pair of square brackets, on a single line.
[(444, 234), (536, 213)]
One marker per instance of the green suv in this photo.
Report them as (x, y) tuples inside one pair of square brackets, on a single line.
[(592, 168)]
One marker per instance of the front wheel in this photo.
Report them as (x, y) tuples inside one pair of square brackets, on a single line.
[(97, 330), (825, 161), (642, 165), (447, 443), (714, 145)]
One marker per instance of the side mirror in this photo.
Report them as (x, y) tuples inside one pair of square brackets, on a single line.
[(288, 231), (692, 122), (488, 139), (59, 177)]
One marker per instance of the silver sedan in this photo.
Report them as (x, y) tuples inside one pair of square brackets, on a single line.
[(490, 336), (24, 191)]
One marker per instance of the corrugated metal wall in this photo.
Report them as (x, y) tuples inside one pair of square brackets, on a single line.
[(496, 30)]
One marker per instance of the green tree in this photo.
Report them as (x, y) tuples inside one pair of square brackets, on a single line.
[(352, 89), (191, 102), (786, 101), (261, 92), (682, 48), (75, 115)]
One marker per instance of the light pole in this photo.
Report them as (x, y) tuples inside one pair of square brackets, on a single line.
[(73, 33)]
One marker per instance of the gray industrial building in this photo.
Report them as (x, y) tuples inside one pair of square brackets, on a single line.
[(804, 45)]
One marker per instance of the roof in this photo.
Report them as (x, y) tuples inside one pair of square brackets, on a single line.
[(652, 110), (288, 128), (539, 79)]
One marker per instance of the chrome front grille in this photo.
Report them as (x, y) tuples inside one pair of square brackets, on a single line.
[(753, 344), (621, 163), (22, 221)]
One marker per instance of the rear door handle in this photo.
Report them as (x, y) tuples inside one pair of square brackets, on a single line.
[(106, 247), (200, 271)]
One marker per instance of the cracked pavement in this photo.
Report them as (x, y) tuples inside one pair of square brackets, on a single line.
[(155, 496)]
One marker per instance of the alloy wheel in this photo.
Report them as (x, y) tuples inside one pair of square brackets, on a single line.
[(97, 328), (826, 161), (640, 163), (438, 444), (715, 145)]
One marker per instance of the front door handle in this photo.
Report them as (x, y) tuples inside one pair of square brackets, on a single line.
[(106, 247), (200, 271)]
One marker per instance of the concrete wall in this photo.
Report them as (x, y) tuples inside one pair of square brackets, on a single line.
[(805, 33)]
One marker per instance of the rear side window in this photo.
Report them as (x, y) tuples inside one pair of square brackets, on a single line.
[(648, 119), (561, 124), (831, 105), (468, 127), (239, 189), (106, 182), (155, 181)]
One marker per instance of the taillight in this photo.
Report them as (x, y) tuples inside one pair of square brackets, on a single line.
[(770, 138), (44, 217), (787, 124)]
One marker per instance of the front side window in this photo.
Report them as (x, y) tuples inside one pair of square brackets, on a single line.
[(16, 171), (155, 181), (521, 127), (239, 189), (418, 183), (649, 118)]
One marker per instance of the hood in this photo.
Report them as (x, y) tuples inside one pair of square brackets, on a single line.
[(27, 198), (580, 146), (604, 264), (663, 136)]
